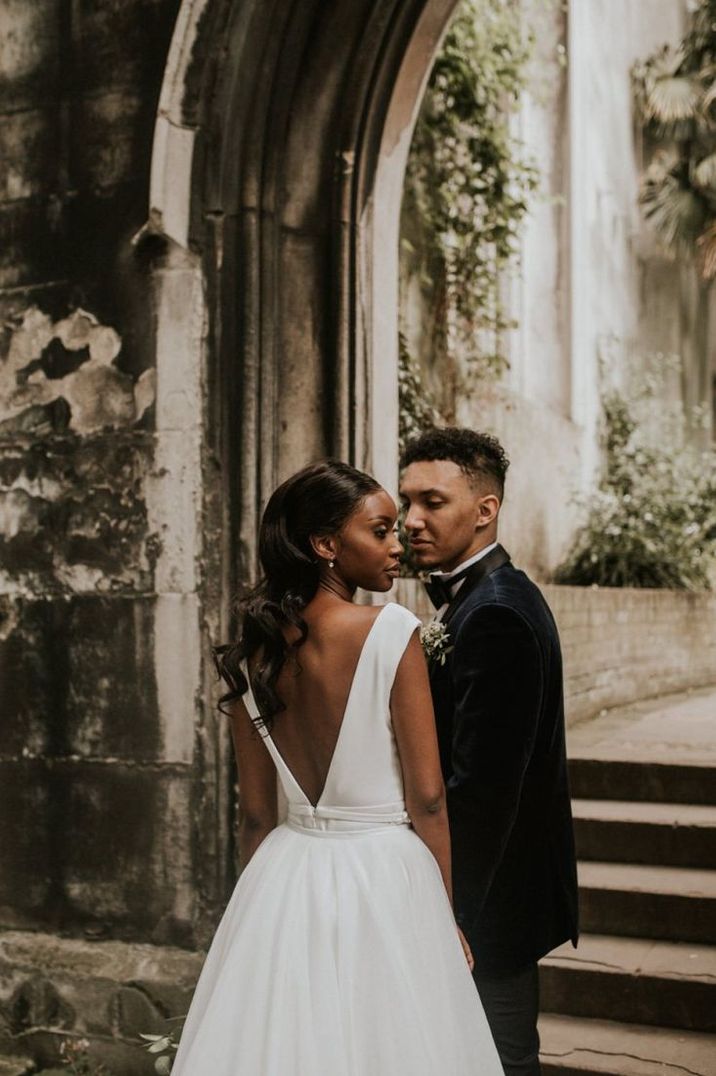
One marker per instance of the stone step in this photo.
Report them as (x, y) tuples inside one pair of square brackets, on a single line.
[(633, 900), (651, 779), (108, 992), (16, 1066), (668, 834), (574, 1046), (632, 979)]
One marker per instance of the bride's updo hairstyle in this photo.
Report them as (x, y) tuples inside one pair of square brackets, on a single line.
[(315, 502)]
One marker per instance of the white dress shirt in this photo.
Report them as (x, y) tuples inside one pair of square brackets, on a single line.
[(447, 576)]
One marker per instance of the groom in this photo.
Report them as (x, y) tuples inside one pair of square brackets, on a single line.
[(499, 709)]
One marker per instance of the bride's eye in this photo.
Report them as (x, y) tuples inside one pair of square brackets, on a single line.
[(380, 532)]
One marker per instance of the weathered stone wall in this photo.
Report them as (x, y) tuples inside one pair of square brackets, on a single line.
[(169, 349), (184, 320), (621, 645), (107, 762)]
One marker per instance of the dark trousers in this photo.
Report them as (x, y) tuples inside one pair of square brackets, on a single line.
[(511, 1004)]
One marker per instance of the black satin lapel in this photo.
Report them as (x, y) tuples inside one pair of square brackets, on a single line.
[(484, 567)]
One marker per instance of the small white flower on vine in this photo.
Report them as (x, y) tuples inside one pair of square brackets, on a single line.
[(435, 638)]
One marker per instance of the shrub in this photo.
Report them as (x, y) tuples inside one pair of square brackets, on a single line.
[(652, 520)]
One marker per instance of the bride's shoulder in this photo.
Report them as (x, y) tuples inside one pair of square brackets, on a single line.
[(401, 614), (360, 618)]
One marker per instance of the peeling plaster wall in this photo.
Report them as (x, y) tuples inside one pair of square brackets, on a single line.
[(66, 370), (111, 762), (73, 465), (99, 651)]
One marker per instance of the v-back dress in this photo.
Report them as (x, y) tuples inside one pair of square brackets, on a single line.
[(337, 954)]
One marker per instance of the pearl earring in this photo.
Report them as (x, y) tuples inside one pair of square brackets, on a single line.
[(331, 564)]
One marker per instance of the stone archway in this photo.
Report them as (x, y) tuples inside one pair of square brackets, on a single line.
[(280, 147)]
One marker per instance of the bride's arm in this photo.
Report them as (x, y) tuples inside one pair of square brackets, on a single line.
[(258, 807), (411, 709)]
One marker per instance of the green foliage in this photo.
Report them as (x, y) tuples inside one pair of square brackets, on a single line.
[(675, 94), (76, 1060), (467, 180), (417, 409), (652, 520)]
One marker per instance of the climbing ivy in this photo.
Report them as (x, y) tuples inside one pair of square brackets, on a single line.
[(468, 180), (417, 407)]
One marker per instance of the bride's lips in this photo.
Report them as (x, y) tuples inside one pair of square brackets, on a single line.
[(393, 571)]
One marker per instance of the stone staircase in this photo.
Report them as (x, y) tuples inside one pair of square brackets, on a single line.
[(638, 997)]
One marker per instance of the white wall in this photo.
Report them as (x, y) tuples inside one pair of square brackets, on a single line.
[(615, 287), (592, 280)]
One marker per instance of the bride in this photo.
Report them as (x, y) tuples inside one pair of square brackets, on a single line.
[(338, 954)]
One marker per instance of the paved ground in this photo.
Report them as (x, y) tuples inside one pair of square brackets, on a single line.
[(677, 728)]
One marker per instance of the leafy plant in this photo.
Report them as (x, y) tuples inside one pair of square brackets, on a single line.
[(417, 410), (652, 520), (675, 95), (74, 1054), (467, 180), (164, 1047)]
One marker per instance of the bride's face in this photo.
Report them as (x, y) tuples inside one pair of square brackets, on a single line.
[(367, 549)]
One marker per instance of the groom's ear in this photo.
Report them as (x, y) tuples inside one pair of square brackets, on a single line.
[(488, 508)]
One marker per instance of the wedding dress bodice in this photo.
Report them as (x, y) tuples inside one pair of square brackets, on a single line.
[(364, 785)]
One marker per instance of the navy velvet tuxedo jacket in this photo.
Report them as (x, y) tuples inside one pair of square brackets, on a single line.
[(499, 708)]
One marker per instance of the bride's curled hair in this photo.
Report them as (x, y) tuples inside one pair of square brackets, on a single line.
[(314, 502)]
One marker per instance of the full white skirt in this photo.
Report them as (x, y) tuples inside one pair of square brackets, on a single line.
[(337, 956)]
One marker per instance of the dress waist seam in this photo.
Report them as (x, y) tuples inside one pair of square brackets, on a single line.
[(365, 829), (338, 820)]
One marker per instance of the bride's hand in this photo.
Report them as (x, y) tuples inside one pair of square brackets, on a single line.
[(466, 949)]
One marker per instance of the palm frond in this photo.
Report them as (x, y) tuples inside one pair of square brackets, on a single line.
[(666, 162), (667, 62), (672, 98), (676, 211), (710, 94), (704, 173), (707, 252)]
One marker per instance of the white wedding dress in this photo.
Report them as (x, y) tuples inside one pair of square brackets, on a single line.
[(338, 954)]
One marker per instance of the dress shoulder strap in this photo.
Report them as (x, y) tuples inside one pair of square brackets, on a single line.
[(396, 627), (402, 619)]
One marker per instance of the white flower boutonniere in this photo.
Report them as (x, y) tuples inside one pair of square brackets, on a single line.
[(435, 638)]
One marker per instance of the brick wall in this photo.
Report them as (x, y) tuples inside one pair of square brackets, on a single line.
[(621, 645)]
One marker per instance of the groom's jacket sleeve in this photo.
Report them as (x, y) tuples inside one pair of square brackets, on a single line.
[(498, 681)]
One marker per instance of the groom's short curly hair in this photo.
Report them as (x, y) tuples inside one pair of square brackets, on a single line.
[(479, 455)]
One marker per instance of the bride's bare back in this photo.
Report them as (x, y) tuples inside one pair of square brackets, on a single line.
[(315, 686)]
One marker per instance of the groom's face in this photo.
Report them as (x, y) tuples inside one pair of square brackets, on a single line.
[(447, 519)]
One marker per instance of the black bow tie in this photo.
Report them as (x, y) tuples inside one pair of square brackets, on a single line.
[(439, 587)]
